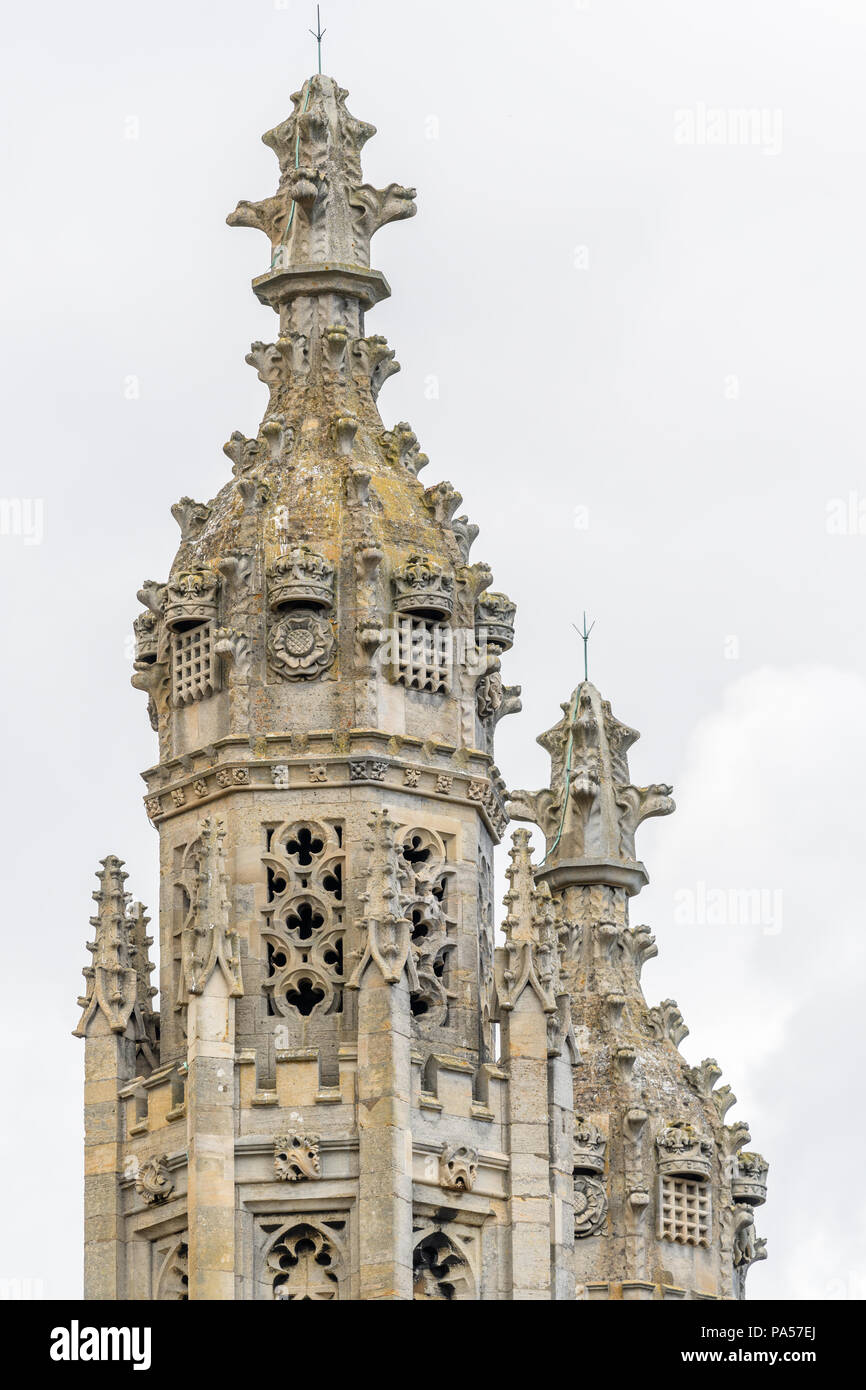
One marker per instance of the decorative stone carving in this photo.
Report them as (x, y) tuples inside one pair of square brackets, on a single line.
[(402, 449), (465, 534), (494, 621), (682, 1152), (411, 776), (666, 1021), (153, 1182), (531, 958), (440, 1271), (458, 1167), (255, 494), (209, 941), (367, 770), (191, 598), (280, 775), (235, 648), (589, 1146), (296, 1156), (749, 1182), (375, 362), (590, 811), (444, 784), (385, 926), (301, 576), (244, 453), (146, 1022), (488, 695), (425, 901), (317, 772), (191, 517), (301, 645), (345, 427), (172, 1285), (146, 633), (111, 979), (304, 1265), (304, 926), (442, 502), (423, 586), (590, 1206)]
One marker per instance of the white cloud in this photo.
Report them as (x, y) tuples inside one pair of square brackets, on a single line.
[(770, 798)]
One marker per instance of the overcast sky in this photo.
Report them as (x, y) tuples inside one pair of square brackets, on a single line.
[(630, 324)]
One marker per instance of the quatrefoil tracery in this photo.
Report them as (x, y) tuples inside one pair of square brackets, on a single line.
[(304, 931)]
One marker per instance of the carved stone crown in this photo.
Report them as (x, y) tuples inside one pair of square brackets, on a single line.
[(683, 1152), (425, 587), (749, 1183), (589, 1146), (301, 576), (191, 597), (495, 613), (144, 627)]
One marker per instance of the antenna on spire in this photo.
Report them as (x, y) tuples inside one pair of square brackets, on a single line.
[(584, 635), (318, 34)]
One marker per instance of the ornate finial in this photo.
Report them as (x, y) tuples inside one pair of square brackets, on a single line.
[(112, 980), (208, 940), (322, 216), (590, 811), (318, 34), (585, 634), (385, 923)]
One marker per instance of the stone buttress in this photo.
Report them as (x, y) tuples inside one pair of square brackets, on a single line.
[(321, 1108)]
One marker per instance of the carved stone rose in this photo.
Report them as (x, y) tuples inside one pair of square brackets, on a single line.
[(301, 646), (590, 1206), (152, 1181)]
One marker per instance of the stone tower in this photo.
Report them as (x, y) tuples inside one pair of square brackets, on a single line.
[(349, 1092)]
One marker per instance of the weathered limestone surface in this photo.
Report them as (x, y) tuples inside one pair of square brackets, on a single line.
[(348, 1091)]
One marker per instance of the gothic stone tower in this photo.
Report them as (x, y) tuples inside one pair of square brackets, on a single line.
[(321, 1109)]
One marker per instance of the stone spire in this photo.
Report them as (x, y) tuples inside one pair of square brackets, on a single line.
[(112, 981), (590, 812), (322, 217), (663, 1198)]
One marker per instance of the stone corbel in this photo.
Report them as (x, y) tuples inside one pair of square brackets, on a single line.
[(358, 484), (345, 427), (335, 347), (277, 437), (634, 1123)]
